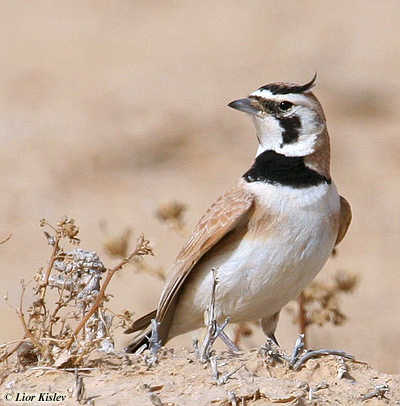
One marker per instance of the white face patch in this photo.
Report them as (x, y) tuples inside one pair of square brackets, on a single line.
[(298, 99), (271, 130), (264, 93)]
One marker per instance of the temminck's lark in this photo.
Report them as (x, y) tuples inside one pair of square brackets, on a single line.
[(268, 236)]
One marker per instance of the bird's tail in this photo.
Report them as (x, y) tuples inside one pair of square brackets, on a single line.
[(141, 323), (139, 341), (144, 323)]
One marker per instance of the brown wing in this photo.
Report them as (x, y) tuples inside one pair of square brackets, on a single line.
[(344, 220), (229, 211)]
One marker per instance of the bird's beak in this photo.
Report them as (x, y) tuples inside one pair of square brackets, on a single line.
[(244, 105)]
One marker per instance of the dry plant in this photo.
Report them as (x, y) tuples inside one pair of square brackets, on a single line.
[(168, 212), (144, 267), (319, 303), (5, 240), (117, 246), (67, 319), (171, 213), (205, 352)]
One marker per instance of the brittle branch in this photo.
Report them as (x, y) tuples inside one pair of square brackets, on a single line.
[(142, 249), (20, 313)]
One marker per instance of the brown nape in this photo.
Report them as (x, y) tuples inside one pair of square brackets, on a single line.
[(319, 161), (321, 158)]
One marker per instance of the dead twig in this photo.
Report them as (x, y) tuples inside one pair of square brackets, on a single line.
[(79, 387), (271, 350), (56, 247), (77, 316), (154, 340), (154, 398), (154, 345), (232, 398), (211, 322), (302, 315), (66, 228), (20, 314), (379, 392), (81, 369), (342, 368), (319, 303), (296, 360), (60, 303), (171, 212), (196, 347), (142, 249), (298, 348), (141, 349), (224, 379), (6, 239), (213, 330), (318, 353), (214, 367), (8, 353)]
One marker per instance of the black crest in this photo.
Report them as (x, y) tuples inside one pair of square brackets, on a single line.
[(286, 88)]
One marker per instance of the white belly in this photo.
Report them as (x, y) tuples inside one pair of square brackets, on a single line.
[(259, 276)]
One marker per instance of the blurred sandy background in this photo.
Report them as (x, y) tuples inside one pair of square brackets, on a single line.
[(108, 107)]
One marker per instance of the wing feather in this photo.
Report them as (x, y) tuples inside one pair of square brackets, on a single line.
[(229, 211), (345, 219)]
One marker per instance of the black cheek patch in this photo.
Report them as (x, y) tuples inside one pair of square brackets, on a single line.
[(291, 127)]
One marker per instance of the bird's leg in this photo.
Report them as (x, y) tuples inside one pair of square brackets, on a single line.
[(229, 343)]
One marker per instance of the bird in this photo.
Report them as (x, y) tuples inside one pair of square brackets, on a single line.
[(268, 236)]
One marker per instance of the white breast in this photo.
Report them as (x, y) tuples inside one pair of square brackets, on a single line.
[(259, 276)]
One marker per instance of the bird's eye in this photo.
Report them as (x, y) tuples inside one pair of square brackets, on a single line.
[(285, 106)]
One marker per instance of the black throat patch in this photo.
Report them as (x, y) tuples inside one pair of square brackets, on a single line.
[(277, 169)]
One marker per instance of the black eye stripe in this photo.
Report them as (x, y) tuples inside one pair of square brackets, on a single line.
[(264, 104), (271, 106)]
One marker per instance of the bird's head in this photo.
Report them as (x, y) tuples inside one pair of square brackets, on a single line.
[(288, 118)]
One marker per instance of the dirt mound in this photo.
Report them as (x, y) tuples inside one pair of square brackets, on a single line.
[(178, 378)]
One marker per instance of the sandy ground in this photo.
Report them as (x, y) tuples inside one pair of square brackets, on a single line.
[(107, 108), (180, 379)]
